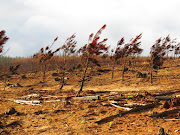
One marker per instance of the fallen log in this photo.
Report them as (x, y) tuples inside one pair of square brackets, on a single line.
[(171, 119), (134, 104), (161, 132), (166, 93), (96, 97), (51, 101), (136, 109), (165, 113), (163, 97), (32, 102), (30, 96), (125, 108), (53, 97)]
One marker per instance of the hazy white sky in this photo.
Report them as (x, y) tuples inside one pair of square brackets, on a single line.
[(32, 24)]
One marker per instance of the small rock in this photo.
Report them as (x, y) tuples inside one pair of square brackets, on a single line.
[(66, 78), (11, 111), (105, 104), (39, 112), (31, 88), (8, 76), (19, 85), (161, 131), (57, 79), (154, 113), (114, 93), (125, 69), (23, 77), (141, 75), (54, 74), (57, 111), (139, 96), (166, 105)]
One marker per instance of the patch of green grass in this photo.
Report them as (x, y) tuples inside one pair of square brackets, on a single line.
[(110, 123), (83, 122), (57, 106), (79, 127), (150, 131), (169, 133), (72, 112)]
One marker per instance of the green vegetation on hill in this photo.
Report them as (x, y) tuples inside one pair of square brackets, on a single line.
[(8, 59)]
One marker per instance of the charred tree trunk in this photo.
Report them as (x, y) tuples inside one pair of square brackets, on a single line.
[(113, 70), (63, 82), (83, 78), (151, 72), (4, 82), (123, 73), (44, 72)]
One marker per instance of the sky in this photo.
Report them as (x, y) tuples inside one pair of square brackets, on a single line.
[(33, 24)]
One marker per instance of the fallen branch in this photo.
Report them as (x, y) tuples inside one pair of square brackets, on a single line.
[(163, 97), (33, 102), (50, 101), (31, 96), (165, 113), (125, 108), (87, 98), (55, 97), (134, 104), (171, 119), (167, 93), (137, 109)]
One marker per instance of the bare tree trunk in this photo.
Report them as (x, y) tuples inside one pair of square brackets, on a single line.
[(44, 72), (5, 83), (123, 70), (113, 69), (123, 73), (63, 82), (151, 72), (83, 78)]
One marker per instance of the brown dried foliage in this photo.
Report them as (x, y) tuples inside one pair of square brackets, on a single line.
[(3, 39), (69, 45), (13, 69), (47, 53), (131, 48), (177, 49), (94, 47), (159, 50)]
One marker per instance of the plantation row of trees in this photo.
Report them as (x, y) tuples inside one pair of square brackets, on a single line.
[(91, 53)]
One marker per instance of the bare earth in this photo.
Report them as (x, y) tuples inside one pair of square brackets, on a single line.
[(76, 116)]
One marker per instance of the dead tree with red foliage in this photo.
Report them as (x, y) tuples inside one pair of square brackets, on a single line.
[(68, 50), (3, 40), (177, 50), (124, 50), (90, 51), (119, 52), (135, 49), (157, 53), (44, 55)]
